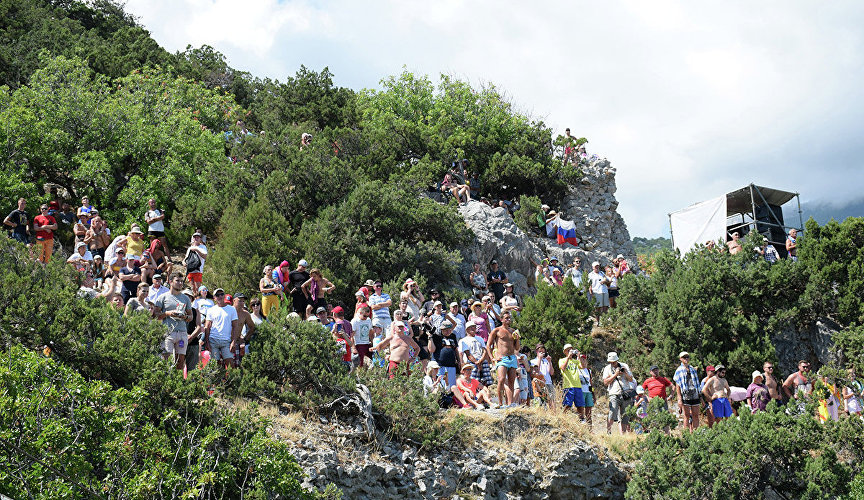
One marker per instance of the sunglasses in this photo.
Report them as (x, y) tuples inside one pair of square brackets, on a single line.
[(219, 295)]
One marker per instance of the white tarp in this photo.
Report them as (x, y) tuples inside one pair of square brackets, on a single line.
[(699, 223)]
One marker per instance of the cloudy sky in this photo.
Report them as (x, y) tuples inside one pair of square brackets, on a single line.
[(688, 100)]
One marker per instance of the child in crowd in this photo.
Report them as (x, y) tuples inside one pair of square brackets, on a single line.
[(471, 390), (379, 358), (346, 346), (538, 385)]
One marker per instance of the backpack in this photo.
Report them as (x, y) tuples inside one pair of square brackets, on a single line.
[(192, 262)]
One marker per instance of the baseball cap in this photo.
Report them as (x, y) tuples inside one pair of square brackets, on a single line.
[(470, 324), (438, 303), (595, 263), (377, 322), (432, 365), (567, 346), (398, 324), (709, 368), (284, 263), (229, 298), (197, 234), (553, 259), (683, 354), (653, 367), (619, 256), (240, 296), (640, 389), (158, 276), (493, 262), (303, 263), (203, 288), (338, 310), (321, 310), (446, 324), (719, 367), (454, 304)]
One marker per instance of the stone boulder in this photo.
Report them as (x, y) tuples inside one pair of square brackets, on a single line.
[(812, 343)]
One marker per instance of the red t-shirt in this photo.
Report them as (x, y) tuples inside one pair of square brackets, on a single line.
[(346, 353), (656, 386), (473, 386), (44, 220)]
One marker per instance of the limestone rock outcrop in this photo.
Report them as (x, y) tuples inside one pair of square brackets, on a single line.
[(591, 204)]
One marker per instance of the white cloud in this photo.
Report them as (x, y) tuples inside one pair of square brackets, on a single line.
[(688, 100)]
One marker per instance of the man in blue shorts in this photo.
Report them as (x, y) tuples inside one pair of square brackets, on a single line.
[(505, 342), (717, 391)]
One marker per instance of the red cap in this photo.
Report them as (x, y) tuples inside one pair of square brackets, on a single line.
[(709, 368), (365, 291), (229, 298), (338, 310), (284, 264)]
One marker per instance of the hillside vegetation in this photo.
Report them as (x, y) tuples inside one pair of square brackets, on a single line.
[(90, 104)]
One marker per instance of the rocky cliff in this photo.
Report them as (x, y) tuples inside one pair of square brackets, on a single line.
[(591, 204), (521, 460)]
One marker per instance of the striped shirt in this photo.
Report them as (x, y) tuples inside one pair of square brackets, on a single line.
[(384, 312), (687, 379)]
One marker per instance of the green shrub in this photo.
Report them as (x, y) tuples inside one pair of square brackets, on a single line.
[(555, 316), (526, 216), (86, 440), (404, 413), (292, 361), (380, 230), (740, 458)]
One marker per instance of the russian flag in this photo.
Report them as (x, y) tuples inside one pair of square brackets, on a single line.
[(566, 231)]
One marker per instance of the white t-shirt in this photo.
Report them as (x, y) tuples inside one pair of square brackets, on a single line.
[(202, 305), (158, 225), (474, 345), (221, 318), (459, 329), (203, 248), (361, 329), (596, 280)]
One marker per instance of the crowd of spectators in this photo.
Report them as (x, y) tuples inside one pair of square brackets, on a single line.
[(468, 351)]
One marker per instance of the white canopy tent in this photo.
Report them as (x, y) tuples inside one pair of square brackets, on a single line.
[(711, 220)]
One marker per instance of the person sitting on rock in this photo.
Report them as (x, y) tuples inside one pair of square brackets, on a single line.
[(457, 190)]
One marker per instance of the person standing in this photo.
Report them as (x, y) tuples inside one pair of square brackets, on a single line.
[(359, 328), (771, 383), (155, 219), (473, 350), (617, 379), (543, 362), (758, 396), (587, 390), (735, 244), (798, 385), (296, 278), (505, 340), (655, 385), (315, 288), (17, 220), (247, 327), (688, 390), (792, 245), (196, 273), (401, 343), (270, 292), (44, 226), (496, 280), (572, 383), (717, 391), (599, 290), (380, 303), (444, 348), (221, 330), (174, 309)]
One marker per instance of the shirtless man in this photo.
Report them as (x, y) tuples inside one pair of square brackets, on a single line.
[(735, 244), (717, 391), (771, 382), (792, 245), (798, 385), (506, 342), (709, 374), (400, 341), (247, 327)]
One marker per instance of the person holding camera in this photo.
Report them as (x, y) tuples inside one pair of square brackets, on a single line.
[(618, 380)]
